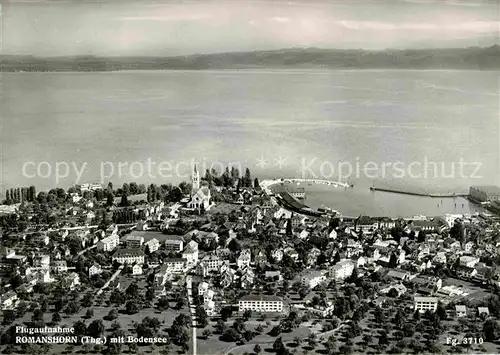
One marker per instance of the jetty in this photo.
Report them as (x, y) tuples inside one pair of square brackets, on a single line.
[(421, 194)]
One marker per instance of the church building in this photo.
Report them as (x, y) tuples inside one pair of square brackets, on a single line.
[(200, 195)]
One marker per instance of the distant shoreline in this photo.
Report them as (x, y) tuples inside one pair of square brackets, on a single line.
[(249, 70), (473, 58)]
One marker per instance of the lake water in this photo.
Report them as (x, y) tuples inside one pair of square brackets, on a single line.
[(278, 123)]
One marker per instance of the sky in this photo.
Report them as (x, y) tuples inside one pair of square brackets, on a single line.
[(169, 28)]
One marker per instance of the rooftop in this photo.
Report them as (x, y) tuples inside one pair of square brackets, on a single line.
[(426, 299), (261, 298), (128, 252)]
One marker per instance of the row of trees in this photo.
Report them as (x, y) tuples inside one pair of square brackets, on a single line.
[(19, 195), (228, 178)]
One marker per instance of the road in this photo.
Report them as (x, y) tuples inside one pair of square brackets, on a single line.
[(110, 280), (85, 250), (192, 309), (251, 344)]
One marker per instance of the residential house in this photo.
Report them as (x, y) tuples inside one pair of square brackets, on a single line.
[(247, 278), (137, 269), (59, 266), (95, 269), (468, 261), (461, 311), (175, 264), (152, 245), (227, 277), (41, 260), (72, 280), (8, 301), (273, 275), (312, 278), (469, 247), (291, 252), (277, 254), (190, 253), (440, 258), (202, 288), (400, 289), (244, 258), (312, 256), (342, 270), (483, 311)]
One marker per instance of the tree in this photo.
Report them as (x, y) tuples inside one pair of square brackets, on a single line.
[(112, 314), (257, 349), (256, 183), (311, 340), (278, 346), (124, 201), (163, 303), (491, 330), (9, 316), (96, 328), (201, 316), (110, 199), (230, 335), (72, 307), (206, 332), (441, 311), (247, 314), (226, 313), (132, 291), (131, 307), (393, 260), (248, 178), (89, 313), (331, 344), (383, 338), (80, 328)]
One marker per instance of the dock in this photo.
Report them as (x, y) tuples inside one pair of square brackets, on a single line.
[(421, 194)]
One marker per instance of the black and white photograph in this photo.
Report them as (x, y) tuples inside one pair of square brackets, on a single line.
[(249, 177)]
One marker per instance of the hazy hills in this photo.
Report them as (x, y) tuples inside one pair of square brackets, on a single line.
[(459, 58)]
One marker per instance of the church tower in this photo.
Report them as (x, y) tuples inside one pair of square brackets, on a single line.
[(195, 179)]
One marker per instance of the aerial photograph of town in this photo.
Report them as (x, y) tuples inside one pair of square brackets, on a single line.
[(247, 177)]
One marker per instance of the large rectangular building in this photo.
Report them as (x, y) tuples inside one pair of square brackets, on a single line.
[(174, 243), (108, 243), (129, 256), (423, 304), (261, 303), (485, 193)]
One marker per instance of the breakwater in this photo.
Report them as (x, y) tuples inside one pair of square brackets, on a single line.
[(422, 194)]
